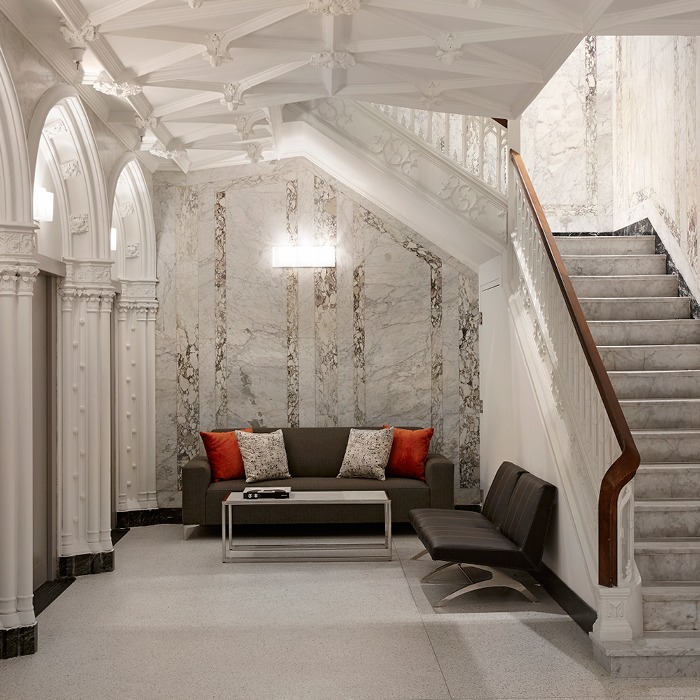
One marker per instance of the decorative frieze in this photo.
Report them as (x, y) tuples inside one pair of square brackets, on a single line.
[(126, 209), (79, 224), (89, 271), (54, 129), (334, 7), (17, 242), (396, 151), (70, 169), (131, 250), (135, 290), (333, 59), (125, 89)]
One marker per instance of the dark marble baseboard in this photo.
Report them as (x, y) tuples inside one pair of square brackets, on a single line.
[(576, 608), (84, 564), (153, 516), (19, 641), (48, 592), (645, 228)]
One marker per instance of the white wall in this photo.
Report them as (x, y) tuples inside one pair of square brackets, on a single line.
[(512, 427)]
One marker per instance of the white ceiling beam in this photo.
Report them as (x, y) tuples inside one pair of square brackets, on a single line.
[(180, 35), (210, 114), (481, 104), (116, 9), (210, 130), (411, 21), (186, 103), (209, 10), (274, 118), (593, 13), (465, 67), (494, 15), (349, 91), (680, 27), (274, 44), (400, 75), (219, 161), (549, 9), (172, 58), (502, 59), (397, 44), (647, 14), (260, 22), (329, 25)]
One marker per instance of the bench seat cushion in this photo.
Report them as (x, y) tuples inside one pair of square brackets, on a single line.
[(422, 517)]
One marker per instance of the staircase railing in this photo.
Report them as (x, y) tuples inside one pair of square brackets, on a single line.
[(478, 144), (580, 384)]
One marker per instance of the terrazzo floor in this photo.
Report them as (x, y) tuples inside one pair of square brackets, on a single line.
[(174, 622)]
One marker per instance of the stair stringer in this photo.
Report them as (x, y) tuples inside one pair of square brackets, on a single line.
[(619, 609), (419, 186)]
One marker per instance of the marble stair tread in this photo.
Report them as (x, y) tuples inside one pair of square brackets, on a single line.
[(667, 591), (668, 545), (663, 332), (657, 384), (666, 519), (634, 308), (605, 245), (667, 480), (631, 358), (661, 413), (615, 264), (625, 285), (675, 446)]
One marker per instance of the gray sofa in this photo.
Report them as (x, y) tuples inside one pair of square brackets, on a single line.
[(315, 456)]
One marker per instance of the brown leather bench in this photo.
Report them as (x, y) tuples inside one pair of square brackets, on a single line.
[(508, 534)]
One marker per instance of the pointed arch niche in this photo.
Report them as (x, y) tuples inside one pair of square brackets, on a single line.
[(64, 158), (133, 252)]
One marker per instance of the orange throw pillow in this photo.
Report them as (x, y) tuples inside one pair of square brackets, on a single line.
[(224, 455), (408, 453)]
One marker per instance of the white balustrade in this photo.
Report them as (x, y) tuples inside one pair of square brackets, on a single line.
[(478, 144)]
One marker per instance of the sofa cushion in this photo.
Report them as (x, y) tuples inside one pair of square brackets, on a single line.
[(500, 492), (367, 454), (409, 452), (423, 517), (224, 455), (264, 456)]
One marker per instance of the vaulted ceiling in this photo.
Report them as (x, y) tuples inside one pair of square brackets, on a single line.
[(203, 82)]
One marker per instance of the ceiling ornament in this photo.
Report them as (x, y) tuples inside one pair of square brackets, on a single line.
[(77, 39), (233, 96), (79, 224), (244, 125), (70, 169), (51, 131), (449, 49), (124, 89), (162, 152), (472, 4), (196, 4), (255, 151), (334, 7), (126, 209), (333, 59), (131, 250), (213, 53), (431, 95), (143, 124)]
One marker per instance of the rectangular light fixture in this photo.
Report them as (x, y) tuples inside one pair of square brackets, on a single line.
[(113, 239), (43, 204), (304, 256)]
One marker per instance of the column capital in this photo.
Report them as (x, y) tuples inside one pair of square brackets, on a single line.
[(17, 241), (8, 279), (27, 276)]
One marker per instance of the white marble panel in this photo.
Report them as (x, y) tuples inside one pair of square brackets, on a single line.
[(207, 260), (450, 366), (257, 306), (397, 333), (344, 263)]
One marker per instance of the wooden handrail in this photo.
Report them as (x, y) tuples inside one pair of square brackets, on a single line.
[(624, 468)]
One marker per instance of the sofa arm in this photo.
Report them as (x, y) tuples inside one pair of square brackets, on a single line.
[(440, 478), (196, 477)]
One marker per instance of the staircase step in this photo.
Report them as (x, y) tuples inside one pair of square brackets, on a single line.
[(666, 384), (635, 308), (631, 358), (668, 559), (654, 520), (667, 480), (677, 446), (671, 605), (605, 245), (615, 264), (625, 285), (664, 332), (661, 413)]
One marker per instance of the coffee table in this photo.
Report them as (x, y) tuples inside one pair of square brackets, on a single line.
[(380, 551)]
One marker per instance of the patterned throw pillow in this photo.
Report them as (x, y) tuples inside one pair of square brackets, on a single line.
[(367, 454), (264, 456)]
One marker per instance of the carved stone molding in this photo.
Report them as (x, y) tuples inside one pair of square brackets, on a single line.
[(115, 89), (254, 151), (233, 96), (396, 152), (79, 223), (194, 4), (333, 59), (334, 7), (464, 198), (335, 110), (448, 49), (8, 280), (164, 153), (89, 271), (26, 276), (134, 290), (70, 169), (213, 52), (54, 129), (131, 250), (77, 37), (126, 209), (150, 123), (244, 125), (143, 307), (17, 242), (431, 95)]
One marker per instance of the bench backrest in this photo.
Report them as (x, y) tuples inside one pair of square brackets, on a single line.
[(501, 490), (527, 516)]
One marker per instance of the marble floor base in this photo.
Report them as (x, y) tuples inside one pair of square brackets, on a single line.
[(172, 622)]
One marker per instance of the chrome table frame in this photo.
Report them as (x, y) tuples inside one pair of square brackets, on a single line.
[(380, 551)]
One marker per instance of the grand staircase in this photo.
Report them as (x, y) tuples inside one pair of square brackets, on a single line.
[(650, 346)]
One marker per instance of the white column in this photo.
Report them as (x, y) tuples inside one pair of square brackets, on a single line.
[(105, 462), (122, 403), (16, 455), (150, 422), (139, 366)]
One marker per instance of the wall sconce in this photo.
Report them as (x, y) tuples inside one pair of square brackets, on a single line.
[(304, 256), (113, 239), (43, 204)]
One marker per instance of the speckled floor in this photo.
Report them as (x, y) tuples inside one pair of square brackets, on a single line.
[(174, 622)]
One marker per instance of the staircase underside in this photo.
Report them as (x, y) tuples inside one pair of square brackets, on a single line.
[(650, 346)]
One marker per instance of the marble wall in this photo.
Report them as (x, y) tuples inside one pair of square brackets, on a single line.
[(612, 140), (388, 335)]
